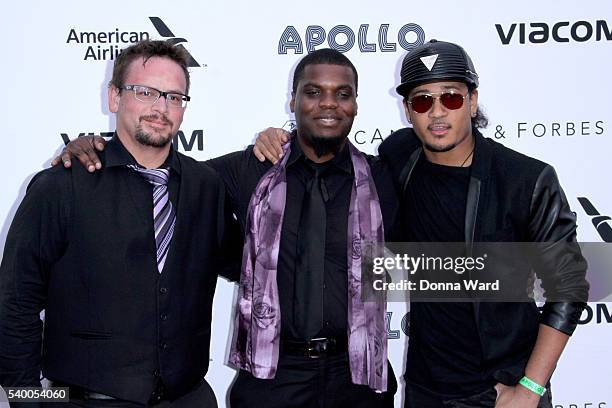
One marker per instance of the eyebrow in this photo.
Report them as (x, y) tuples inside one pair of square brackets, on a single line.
[(320, 85), (445, 87), (177, 92), (169, 91)]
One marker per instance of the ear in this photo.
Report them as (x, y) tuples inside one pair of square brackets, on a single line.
[(292, 103), (473, 102), (114, 95), (407, 110)]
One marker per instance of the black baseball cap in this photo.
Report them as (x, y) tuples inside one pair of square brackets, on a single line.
[(436, 61)]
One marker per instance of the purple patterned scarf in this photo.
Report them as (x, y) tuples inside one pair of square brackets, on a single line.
[(255, 344)]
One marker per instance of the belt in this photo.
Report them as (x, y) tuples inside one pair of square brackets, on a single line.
[(315, 348), (80, 393), (83, 394)]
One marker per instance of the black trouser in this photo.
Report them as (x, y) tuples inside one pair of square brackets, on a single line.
[(201, 396), (416, 397), (309, 383)]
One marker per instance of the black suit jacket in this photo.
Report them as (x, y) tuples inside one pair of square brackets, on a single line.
[(82, 248)]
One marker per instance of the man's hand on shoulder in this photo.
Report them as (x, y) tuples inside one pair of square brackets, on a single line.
[(269, 144), (83, 148)]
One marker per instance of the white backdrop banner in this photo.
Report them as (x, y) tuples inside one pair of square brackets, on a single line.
[(544, 70)]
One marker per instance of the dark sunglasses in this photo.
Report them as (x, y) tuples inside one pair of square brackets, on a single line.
[(422, 103)]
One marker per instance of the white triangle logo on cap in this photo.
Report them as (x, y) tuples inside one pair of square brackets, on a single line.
[(429, 61)]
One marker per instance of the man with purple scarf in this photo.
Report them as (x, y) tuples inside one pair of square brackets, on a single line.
[(303, 337)]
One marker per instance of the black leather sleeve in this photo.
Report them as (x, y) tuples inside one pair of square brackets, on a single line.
[(559, 261)]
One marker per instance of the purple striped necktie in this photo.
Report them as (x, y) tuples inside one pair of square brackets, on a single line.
[(164, 216)]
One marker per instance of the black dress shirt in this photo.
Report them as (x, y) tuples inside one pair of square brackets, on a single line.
[(241, 172)]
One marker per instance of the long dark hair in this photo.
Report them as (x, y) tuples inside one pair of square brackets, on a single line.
[(480, 120)]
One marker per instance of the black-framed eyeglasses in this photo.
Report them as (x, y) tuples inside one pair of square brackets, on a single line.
[(150, 95)]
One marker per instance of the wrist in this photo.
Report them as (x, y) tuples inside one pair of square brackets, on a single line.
[(530, 387)]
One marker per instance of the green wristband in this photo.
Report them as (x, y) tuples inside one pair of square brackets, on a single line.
[(532, 386)]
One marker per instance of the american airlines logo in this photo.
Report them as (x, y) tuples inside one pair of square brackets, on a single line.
[(106, 45), (165, 32)]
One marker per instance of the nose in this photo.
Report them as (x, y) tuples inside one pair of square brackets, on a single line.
[(328, 101), (437, 109), (160, 105)]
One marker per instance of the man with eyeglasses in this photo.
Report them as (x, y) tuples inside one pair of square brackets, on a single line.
[(123, 262), (457, 186)]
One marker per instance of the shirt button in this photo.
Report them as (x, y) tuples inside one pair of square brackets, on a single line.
[(163, 346), (156, 373), (163, 291), (163, 316)]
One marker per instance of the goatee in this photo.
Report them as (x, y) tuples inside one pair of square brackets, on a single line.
[(146, 139), (324, 145), (441, 149)]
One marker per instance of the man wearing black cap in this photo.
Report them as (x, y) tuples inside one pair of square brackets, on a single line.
[(457, 186)]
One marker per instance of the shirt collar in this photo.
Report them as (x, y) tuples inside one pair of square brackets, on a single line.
[(117, 155), (342, 160)]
